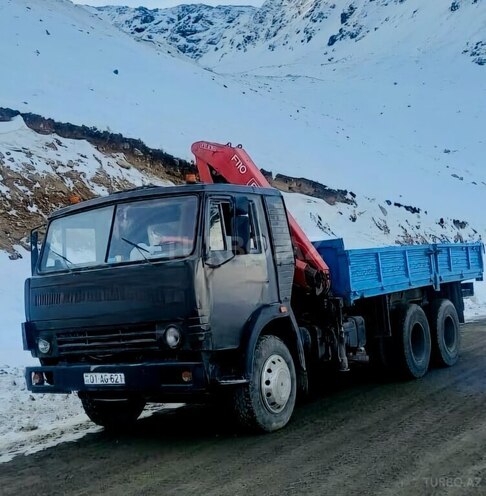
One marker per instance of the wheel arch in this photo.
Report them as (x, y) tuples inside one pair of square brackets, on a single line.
[(271, 321)]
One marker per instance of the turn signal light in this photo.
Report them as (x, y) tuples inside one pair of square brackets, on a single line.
[(37, 379), (187, 376)]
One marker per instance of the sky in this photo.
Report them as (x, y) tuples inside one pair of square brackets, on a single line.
[(153, 4)]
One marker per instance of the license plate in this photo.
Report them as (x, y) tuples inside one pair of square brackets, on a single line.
[(103, 379)]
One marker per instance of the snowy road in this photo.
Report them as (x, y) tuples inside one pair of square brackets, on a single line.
[(358, 437)]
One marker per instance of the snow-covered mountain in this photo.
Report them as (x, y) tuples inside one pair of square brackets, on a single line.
[(291, 29), (192, 30), (401, 125)]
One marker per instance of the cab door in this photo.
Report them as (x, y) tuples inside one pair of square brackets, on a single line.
[(236, 265)]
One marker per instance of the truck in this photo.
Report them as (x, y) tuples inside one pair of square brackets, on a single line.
[(211, 291)]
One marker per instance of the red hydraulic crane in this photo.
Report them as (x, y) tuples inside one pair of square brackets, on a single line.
[(225, 163)]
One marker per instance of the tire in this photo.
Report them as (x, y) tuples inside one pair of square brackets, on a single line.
[(445, 332), (267, 402), (412, 341), (112, 414)]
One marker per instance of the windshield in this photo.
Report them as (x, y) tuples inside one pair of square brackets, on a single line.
[(128, 232)]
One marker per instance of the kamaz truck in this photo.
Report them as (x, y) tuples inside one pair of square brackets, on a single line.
[(211, 290)]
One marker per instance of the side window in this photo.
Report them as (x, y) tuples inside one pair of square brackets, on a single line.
[(219, 226), (248, 238)]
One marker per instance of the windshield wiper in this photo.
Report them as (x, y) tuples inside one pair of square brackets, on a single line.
[(141, 249), (68, 267)]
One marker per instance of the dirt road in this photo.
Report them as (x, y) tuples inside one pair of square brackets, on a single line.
[(361, 437)]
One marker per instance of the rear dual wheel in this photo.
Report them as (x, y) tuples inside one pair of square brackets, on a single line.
[(418, 343), (445, 330), (413, 344)]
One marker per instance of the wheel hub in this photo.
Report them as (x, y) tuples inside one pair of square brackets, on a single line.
[(276, 384)]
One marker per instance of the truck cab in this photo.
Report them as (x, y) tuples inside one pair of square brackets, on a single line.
[(160, 294)]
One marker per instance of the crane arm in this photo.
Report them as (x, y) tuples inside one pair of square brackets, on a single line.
[(225, 163)]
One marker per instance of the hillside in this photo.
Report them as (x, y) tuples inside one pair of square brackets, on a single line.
[(353, 128), (40, 172)]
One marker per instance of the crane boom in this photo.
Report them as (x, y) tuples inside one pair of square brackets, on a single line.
[(225, 163)]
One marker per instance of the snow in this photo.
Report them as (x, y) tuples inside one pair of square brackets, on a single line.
[(476, 306), (323, 221), (12, 277), (27, 423), (179, 30), (389, 101), (31, 423), (344, 122), (50, 154)]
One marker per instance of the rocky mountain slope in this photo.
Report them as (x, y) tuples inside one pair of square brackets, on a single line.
[(405, 126), (44, 164), (215, 36), (191, 30), (380, 89)]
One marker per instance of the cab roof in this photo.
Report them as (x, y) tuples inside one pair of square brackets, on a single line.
[(147, 192)]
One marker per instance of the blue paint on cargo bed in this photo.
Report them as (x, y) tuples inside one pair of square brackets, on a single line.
[(370, 272)]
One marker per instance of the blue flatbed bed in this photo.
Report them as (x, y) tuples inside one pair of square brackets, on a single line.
[(365, 273)]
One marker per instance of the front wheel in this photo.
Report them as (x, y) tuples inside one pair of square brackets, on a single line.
[(267, 402), (112, 414)]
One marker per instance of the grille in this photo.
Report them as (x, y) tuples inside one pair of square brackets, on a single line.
[(107, 340)]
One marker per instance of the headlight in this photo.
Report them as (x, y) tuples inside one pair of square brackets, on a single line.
[(43, 346), (172, 337)]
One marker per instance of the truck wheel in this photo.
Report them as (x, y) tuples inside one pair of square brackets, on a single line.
[(444, 327), (267, 402), (112, 414), (413, 342)]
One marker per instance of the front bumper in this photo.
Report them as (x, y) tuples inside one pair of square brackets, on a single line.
[(144, 378)]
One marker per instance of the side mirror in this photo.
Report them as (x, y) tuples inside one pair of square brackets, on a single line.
[(34, 250)]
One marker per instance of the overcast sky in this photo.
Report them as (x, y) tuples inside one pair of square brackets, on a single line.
[(152, 4)]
